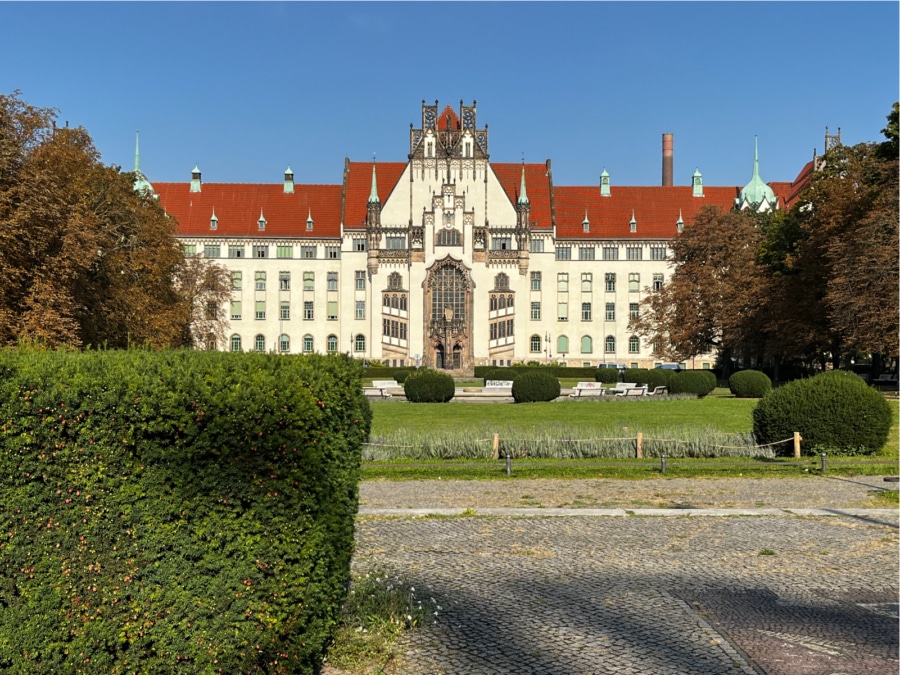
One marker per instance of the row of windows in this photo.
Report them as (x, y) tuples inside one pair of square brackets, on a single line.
[(502, 329), (284, 281), (587, 282), (284, 343), (391, 328), (586, 311), (587, 344), (307, 252), (284, 310)]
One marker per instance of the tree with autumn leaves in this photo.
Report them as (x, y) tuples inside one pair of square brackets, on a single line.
[(815, 285), (84, 258)]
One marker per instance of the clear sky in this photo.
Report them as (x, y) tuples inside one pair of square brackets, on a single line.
[(244, 89)]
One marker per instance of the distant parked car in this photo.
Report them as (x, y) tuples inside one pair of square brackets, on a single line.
[(621, 367), (670, 366)]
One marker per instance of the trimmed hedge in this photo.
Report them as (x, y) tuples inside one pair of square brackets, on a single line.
[(652, 377), (429, 386), (606, 375), (749, 384), (835, 412), (535, 385), (175, 511), (699, 382)]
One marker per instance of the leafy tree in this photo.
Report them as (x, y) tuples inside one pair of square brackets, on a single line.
[(206, 290), (84, 259)]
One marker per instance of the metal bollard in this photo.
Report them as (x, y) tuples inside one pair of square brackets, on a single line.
[(824, 465), (662, 463), (508, 465)]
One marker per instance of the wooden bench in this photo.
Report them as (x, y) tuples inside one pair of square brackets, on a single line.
[(498, 386), (657, 391), (620, 387), (588, 389), (380, 387), (633, 390)]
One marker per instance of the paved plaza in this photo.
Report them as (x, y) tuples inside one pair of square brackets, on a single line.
[(744, 583)]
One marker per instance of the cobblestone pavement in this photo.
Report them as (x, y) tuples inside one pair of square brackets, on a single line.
[(773, 594)]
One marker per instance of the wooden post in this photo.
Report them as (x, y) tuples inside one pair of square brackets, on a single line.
[(640, 445), (496, 446), (797, 440)]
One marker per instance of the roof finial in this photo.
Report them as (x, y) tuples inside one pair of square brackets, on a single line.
[(373, 195), (523, 197)]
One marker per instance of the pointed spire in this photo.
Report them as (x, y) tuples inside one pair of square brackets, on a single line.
[(373, 195), (756, 194), (586, 224), (679, 224), (141, 184), (523, 197), (213, 221)]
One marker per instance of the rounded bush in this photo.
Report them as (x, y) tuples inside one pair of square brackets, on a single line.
[(749, 384), (535, 385), (656, 377), (429, 386), (498, 374), (401, 375), (699, 382), (607, 375), (835, 412)]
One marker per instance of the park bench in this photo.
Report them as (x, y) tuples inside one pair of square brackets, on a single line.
[(380, 388), (657, 391), (498, 386), (620, 387), (633, 390), (588, 389)]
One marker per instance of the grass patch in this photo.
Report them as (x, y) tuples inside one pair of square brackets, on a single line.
[(380, 607)]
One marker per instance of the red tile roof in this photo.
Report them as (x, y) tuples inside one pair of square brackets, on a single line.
[(358, 184), (238, 206), (537, 188)]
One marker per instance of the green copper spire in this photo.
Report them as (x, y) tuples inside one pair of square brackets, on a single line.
[(523, 197), (756, 194), (373, 195)]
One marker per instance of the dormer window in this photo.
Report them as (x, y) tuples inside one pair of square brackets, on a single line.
[(261, 223), (309, 222), (679, 224), (632, 225), (586, 224), (213, 221)]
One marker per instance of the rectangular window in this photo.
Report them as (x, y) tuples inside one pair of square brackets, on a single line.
[(359, 244), (360, 280), (562, 282), (657, 282), (308, 252), (395, 243), (536, 246), (633, 252), (634, 310), (535, 281), (260, 251), (510, 326), (501, 243), (333, 252), (585, 311), (402, 333), (189, 250), (235, 310), (211, 251), (309, 281), (634, 282), (586, 253), (284, 251), (284, 311), (563, 252), (536, 311), (332, 310), (308, 314), (360, 309), (237, 280), (562, 313), (610, 252), (386, 327), (236, 251), (493, 331), (587, 282), (610, 282), (260, 281), (260, 309), (657, 253), (610, 311), (284, 281), (332, 281)]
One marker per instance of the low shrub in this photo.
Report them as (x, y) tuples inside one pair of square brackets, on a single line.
[(429, 386), (535, 385), (655, 377), (606, 375), (401, 374), (498, 374), (749, 384), (699, 382), (835, 412)]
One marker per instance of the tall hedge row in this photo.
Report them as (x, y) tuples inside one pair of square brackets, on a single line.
[(175, 512)]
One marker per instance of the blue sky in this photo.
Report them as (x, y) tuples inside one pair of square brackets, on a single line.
[(244, 89)]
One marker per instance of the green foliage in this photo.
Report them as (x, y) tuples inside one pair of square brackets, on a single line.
[(655, 377), (835, 412), (749, 384), (492, 373), (606, 375), (535, 385), (429, 386), (699, 382), (401, 374), (175, 511)]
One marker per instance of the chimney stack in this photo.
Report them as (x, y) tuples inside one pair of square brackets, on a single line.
[(667, 169)]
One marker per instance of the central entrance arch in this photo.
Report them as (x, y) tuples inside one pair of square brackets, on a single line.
[(448, 310)]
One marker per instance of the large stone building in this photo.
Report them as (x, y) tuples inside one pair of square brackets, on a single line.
[(447, 259)]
